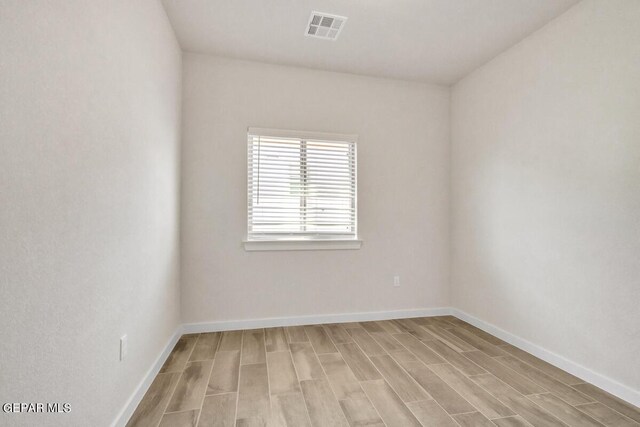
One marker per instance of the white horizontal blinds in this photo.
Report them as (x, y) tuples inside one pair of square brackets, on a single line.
[(301, 188)]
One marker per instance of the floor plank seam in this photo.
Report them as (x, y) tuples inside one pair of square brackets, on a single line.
[(295, 368), (208, 376), (235, 417)]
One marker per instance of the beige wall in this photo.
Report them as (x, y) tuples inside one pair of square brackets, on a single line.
[(403, 192), (89, 144), (546, 189)]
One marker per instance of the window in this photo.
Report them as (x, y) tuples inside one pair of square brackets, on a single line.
[(301, 187)]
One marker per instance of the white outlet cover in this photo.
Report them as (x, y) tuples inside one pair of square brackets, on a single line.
[(396, 281), (123, 347)]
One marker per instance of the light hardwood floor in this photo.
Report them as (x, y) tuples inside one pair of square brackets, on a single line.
[(432, 371)]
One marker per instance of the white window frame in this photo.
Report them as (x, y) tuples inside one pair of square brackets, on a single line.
[(284, 242)]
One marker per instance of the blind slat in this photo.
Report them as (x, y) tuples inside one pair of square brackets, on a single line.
[(295, 142), (320, 155), (301, 187), (293, 166), (273, 174)]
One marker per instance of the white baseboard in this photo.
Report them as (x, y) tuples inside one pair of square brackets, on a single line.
[(270, 322), (143, 386), (607, 384)]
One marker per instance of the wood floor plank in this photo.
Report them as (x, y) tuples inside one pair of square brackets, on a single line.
[(482, 400), (231, 340), (390, 407), (218, 411), (206, 346), (455, 321), (606, 415), (446, 396), (356, 406), (609, 400), (524, 407), (371, 327), (540, 364), (180, 419), (337, 333), (180, 354), (191, 335), (324, 409), (282, 374), (350, 325), (410, 326), (251, 422), (404, 356), (224, 376), (389, 326), (288, 410), (454, 358), (387, 342), (449, 339), (418, 348), (477, 342), (423, 321), (368, 345), (346, 390), (560, 389), (343, 382), (320, 340), (305, 361), (254, 404), (192, 387), (360, 365), (482, 334), (276, 340), (336, 368), (405, 387), (439, 321), (473, 419), (253, 347), (504, 373), (152, 406), (296, 334), (445, 321), (516, 421), (429, 413), (401, 325), (360, 412), (563, 411)]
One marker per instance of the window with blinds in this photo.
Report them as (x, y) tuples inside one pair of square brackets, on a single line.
[(301, 186)]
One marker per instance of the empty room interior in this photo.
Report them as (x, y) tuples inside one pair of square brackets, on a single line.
[(319, 213)]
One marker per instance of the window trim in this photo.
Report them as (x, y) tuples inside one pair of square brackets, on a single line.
[(301, 245), (286, 243), (283, 133)]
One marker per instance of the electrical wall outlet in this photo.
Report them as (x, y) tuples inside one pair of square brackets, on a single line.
[(396, 281), (123, 347)]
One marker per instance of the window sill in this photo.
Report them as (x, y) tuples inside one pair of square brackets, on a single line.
[(301, 245)]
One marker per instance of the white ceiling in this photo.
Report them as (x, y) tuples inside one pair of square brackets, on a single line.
[(436, 41)]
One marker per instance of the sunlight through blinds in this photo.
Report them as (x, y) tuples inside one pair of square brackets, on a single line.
[(300, 187)]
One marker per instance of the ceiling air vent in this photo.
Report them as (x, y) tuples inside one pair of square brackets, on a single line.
[(325, 26)]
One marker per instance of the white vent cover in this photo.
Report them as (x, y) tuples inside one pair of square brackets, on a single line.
[(325, 25)]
